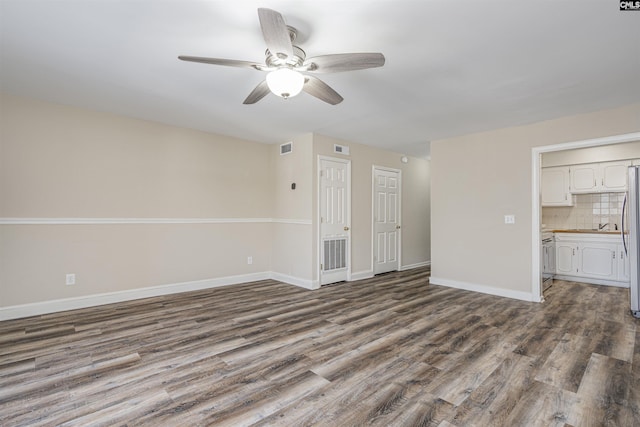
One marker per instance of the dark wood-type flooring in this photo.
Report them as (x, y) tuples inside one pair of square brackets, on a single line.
[(387, 351)]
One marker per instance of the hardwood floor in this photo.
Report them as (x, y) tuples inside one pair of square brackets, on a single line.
[(387, 351)]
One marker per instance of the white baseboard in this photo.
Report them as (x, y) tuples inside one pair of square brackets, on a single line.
[(359, 275), (416, 265), (368, 274), (523, 296), (296, 281), (53, 306), (592, 281)]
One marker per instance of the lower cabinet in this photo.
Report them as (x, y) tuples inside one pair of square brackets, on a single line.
[(591, 258), (598, 260), (623, 264), (566, 261)]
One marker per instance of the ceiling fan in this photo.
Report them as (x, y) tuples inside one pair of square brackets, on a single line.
[(286, 63)]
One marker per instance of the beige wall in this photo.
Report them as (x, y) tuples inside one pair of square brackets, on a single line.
[(295, 167), (59, 161), (166, 205), (111, 258), (415, 207), (416, 211), (63, 162), (292, 237), (292, 253), (628, 150), (477, 179)]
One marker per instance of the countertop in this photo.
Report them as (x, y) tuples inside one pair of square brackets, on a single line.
[(586, 231)]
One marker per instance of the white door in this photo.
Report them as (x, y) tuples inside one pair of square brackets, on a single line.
[(335, 217), (386, 220)]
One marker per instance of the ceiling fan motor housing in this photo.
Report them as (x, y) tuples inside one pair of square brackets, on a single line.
[(274, 61)]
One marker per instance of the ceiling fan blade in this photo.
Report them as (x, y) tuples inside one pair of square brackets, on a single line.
[(275, 33), (316, 87), (226, 62), (343, 62), (258, 93)]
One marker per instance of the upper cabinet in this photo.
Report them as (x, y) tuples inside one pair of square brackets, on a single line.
[(558, 183), (599, 177), (584, 178), (555, 186), (614, 176)]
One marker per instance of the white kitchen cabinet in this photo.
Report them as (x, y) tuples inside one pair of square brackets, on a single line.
[(623, 264), (614, 176), (555, 187), (583, 178), (566, 258), (598, 261), (591, 258), (599, 177)]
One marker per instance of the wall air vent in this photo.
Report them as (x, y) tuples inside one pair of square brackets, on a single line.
[(341, 149), (334, 254), (286, 148)]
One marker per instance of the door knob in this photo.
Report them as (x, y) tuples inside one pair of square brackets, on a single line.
[(346, 229), (397, 227)]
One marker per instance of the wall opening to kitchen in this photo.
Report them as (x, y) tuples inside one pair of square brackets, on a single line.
[(584, 210)]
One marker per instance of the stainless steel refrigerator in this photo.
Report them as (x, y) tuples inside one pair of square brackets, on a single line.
[(631, 236)]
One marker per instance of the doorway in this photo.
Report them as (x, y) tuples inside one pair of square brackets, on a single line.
[(536, 214), (334, 219), (386, 219)]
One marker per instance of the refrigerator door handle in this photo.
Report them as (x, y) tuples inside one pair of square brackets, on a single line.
[(624, 242)]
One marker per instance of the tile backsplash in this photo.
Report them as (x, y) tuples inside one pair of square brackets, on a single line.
[(588, 212)]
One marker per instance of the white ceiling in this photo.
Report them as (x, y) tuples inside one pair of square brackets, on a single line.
[(453, 67)]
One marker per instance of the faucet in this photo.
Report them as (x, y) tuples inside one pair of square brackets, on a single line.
[(602, 226)]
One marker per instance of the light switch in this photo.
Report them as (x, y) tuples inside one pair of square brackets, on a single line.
[(509, 219)]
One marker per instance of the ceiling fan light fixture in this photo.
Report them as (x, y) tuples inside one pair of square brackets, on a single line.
[(285, 82), (286, 63)]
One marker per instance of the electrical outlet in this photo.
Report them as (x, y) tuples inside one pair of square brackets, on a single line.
[(509, 219), (71, 279), (249, 260)]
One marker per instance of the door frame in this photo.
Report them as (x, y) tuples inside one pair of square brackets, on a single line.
[(347, 162), (373, 213), (536, 205)]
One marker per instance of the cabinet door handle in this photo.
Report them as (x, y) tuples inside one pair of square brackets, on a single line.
[(614, 254)]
